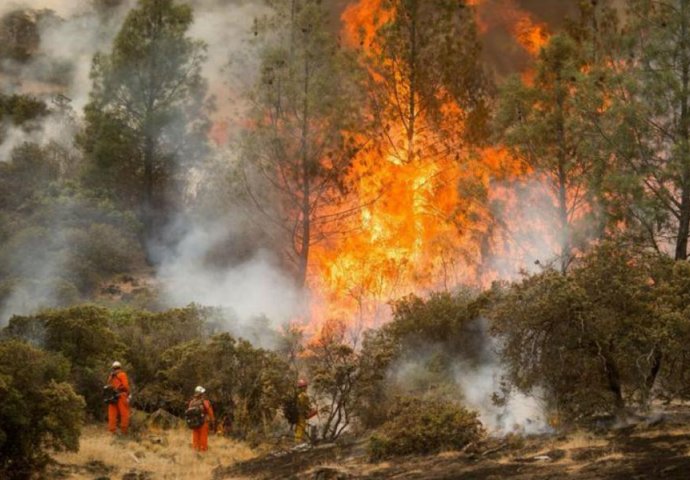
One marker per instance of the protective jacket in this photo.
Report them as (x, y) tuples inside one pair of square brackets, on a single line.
[(120, 410), (305, 412), (200, 434)]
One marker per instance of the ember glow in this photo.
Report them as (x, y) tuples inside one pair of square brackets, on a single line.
[(422, 223)]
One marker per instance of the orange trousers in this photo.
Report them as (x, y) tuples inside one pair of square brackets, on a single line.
[(121, 410), (200, 438)]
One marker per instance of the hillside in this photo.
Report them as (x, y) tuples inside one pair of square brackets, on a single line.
[(647, 449)]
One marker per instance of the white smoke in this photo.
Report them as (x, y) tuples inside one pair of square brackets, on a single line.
[(252, 288), (519, 413), (529, 229), (58, 128)]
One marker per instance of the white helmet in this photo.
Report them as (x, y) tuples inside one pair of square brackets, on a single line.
[(199, 389), (117, 364)]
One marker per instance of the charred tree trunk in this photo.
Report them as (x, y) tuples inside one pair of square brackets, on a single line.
[(654, 370)]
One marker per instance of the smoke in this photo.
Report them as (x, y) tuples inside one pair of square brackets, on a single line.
[(71, 33), (516, 412), (530, 237), (252, 284), (473, 373), (250, 288), (57, 128)]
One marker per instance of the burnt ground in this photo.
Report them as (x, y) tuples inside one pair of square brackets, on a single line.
[(641, 449)]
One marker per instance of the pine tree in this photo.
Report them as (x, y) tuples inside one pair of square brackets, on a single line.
[(146, 116), (300, 143)]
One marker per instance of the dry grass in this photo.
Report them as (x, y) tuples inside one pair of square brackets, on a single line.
[(583, 440), (166, 455)]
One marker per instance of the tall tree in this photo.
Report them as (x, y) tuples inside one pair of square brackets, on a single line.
[(545, 123), (146, 116), (424, 59), (300, 143), (650, 104)]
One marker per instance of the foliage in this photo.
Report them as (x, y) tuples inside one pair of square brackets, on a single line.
[(83, 336), (59, 241), (546, 124), (244, 383), (21, 108), (19, 35), (647, 124), (39, 410), (333, 367), (146, 115), (592, 340), (430, 335), (299, 145), (424, 56), (423, 426)]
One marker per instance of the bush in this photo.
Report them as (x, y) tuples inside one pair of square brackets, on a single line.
[(593, 341), (433, 334), (39, 411), (424, 426)]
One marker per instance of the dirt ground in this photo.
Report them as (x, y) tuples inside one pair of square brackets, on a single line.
[(654, 448)]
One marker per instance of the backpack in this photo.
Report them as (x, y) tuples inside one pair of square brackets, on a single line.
[(291, 409), (110, 395), (194, 416)]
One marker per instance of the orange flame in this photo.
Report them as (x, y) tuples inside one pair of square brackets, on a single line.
[(419, 224), (532, 36)]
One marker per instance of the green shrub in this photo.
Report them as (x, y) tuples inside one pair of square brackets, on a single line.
[(39, 411), (423, 426)]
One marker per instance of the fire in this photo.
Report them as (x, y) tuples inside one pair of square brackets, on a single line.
[(532, 36), (420, 223), (507, 15)]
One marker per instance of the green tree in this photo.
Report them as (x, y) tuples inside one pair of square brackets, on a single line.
[(146, 116), (649, 122), (433, 335), (242, 381), (333, 367), (589, 341), (39, 411), (546, 124), (81, 334), (424, 426), (300, 144)]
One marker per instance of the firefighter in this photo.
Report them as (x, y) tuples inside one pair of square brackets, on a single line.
[(200, 434), (305, 411), (118, 410)]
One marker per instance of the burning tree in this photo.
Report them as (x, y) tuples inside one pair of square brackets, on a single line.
[(299, 145), (427, 100), (426, 78)]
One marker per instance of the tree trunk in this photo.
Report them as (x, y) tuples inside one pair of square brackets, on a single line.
[(684, 135), (562, 184), (614, 380), (148, 206), (654, 371), (303, 254), (412, 113)]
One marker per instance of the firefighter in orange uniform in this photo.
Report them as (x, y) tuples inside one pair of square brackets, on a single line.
[(200, 434), (119, 381)]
